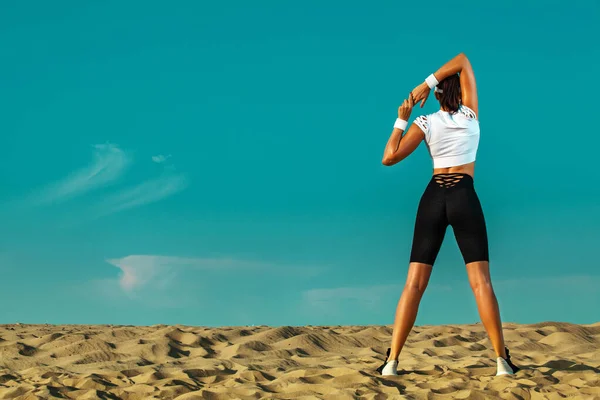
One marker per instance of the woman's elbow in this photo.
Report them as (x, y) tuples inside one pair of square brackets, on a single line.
[(464, 59), (388, 161)]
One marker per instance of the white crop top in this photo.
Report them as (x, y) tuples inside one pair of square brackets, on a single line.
[(451, 138)]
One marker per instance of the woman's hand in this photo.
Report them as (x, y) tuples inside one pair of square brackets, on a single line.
[(421, 93), (406, 108)]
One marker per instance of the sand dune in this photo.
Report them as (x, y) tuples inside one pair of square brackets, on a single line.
[(331, 362)]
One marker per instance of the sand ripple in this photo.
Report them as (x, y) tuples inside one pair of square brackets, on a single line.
[(334, 362)]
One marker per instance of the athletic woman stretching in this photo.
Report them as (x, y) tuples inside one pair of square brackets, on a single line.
[(452, 137)]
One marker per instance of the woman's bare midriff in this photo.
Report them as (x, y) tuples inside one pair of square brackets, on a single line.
[(459, 169)]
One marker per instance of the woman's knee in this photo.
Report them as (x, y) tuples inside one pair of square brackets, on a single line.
[(479, 275), (415, 287), (483, 285), (418, 278)]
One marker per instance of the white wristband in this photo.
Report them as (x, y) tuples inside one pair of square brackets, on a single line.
[(400, 124), (431, 81)]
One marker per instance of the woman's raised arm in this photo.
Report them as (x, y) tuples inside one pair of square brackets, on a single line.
[(461, 65)]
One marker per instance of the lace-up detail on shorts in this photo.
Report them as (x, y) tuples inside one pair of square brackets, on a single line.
[(448, 180)]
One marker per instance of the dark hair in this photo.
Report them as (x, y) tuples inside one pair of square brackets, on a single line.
[(450, 98)]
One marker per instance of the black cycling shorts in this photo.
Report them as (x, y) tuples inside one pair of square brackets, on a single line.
[(450, 199)]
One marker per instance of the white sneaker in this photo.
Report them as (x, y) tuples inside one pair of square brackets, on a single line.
[(391, 368), (503, 367), (388, 367)]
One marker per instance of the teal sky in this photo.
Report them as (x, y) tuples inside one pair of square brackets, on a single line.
[(220, 164)]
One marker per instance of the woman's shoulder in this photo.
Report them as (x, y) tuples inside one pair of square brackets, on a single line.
[(423, 122), (467, 112)]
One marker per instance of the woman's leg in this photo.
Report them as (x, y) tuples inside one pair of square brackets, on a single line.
[(408, 305), (429, 230), (468, 222), (487, 304)]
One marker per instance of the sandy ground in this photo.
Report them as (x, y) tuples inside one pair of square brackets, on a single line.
[(326, 362)]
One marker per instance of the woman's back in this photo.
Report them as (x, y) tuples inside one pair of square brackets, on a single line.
[(452, 138)]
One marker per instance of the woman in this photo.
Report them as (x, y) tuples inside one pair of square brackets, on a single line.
[(452, 137)]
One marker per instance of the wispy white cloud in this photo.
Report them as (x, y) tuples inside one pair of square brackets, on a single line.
[(108, 165), (160, 158), (544, 297), (365, 294), (581, 282), (159, 272), (138, 271), (550, 298), (373, 294), (109, 162), (332, 299), (150, 191)]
